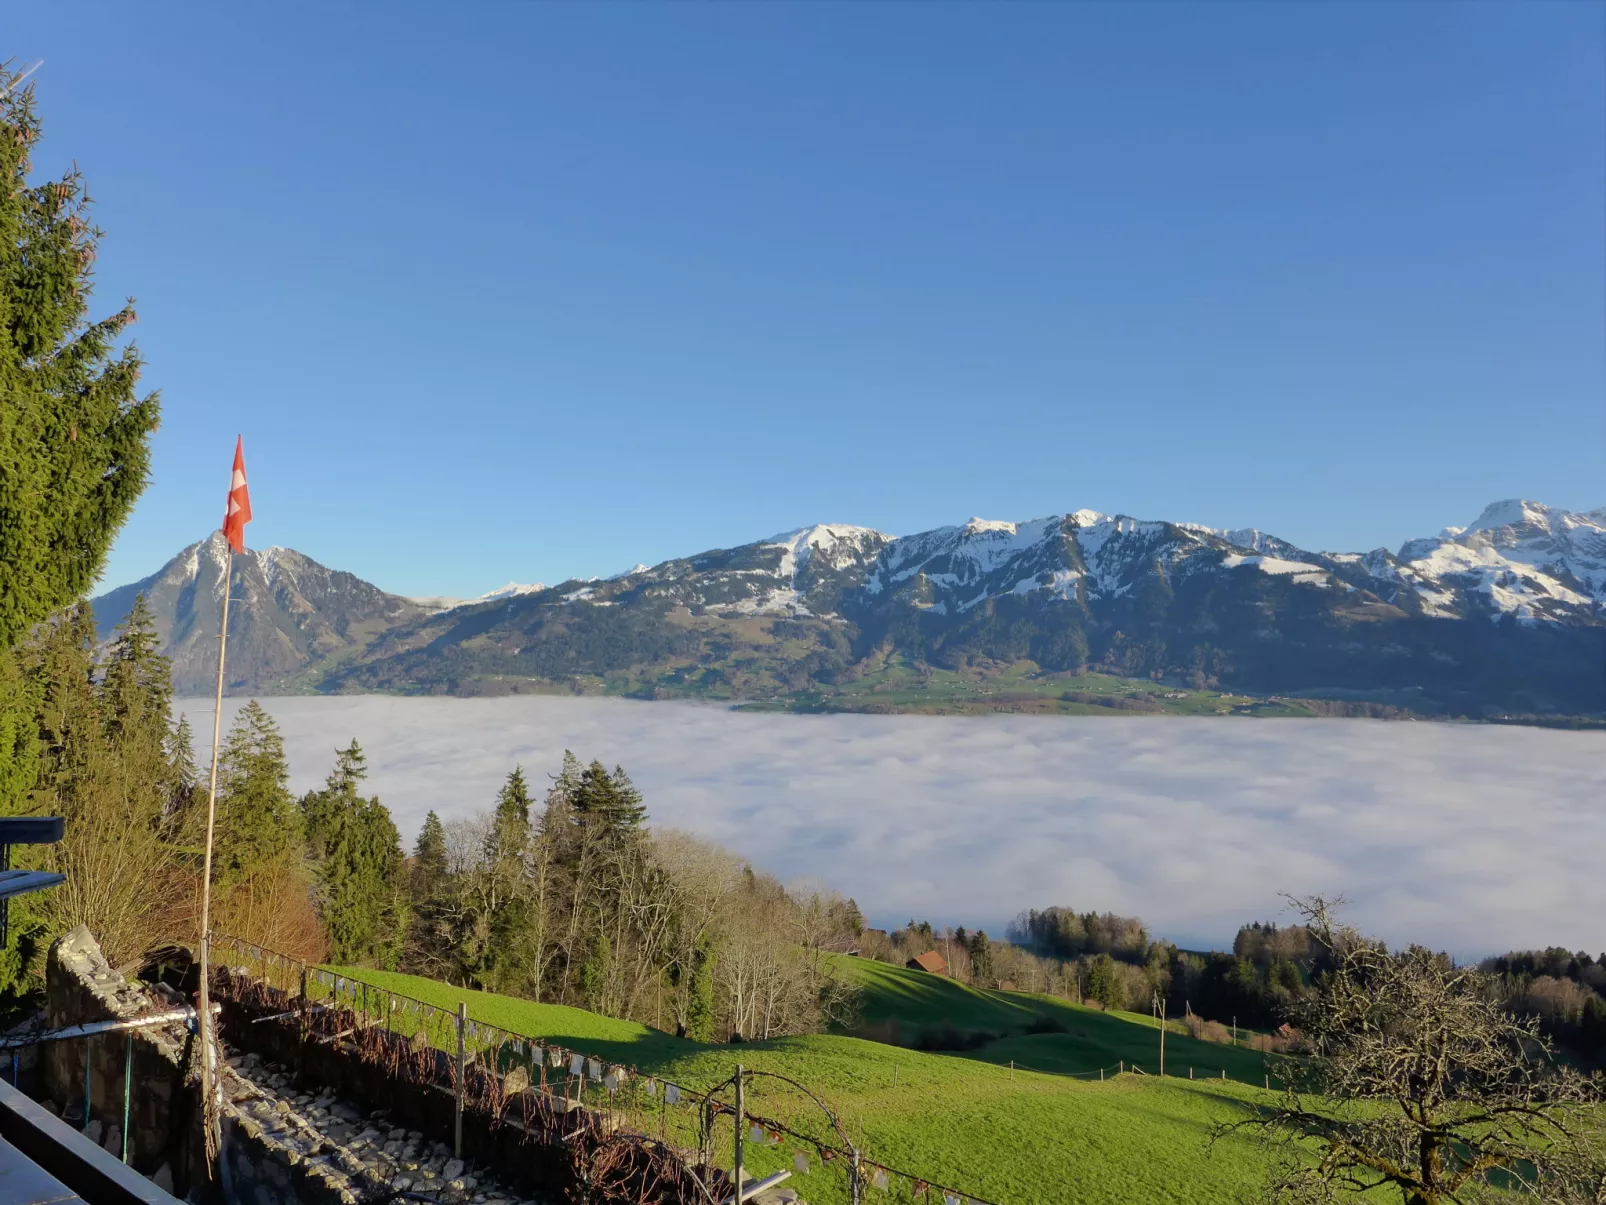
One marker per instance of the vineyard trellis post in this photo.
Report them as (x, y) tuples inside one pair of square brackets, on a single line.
[(736, 1175), (462, 1064), (303, 1020)]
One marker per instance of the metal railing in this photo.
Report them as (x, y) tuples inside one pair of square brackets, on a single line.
[(531, 1081)]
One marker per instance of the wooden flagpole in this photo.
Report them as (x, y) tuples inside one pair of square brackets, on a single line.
[(209, 1111)]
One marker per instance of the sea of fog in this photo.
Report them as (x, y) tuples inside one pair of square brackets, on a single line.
[(1472, 838)]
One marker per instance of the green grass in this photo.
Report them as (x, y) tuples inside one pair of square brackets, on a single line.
[(915, 1002), (901, 686), (1016, 1137)]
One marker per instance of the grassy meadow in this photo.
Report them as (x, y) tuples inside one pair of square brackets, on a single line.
[(1015, 1137)]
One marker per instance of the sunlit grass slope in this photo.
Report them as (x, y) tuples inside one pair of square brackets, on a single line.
[(916, 1002), (1019, 1138)]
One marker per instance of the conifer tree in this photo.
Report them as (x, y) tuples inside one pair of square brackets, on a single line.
[(103, 766), (510, 824), (185, 778), (322, 811), (981, 959), (357, 857), (74, 435), (700, 993), (137, 681), (429, 858), (608, 803), (257, 822)]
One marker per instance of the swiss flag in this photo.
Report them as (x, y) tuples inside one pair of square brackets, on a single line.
[(239, 511)]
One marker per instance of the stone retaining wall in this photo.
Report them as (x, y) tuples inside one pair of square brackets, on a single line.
[(164, 1125)]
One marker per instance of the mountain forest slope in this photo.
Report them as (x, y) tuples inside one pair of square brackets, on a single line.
[(1506, 615)]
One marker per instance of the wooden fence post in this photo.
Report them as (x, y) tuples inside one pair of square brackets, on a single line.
[(462, 1062)]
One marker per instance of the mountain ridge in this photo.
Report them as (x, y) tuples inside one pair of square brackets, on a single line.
[(809, 608)]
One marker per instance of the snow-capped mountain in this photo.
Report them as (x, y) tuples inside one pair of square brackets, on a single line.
[(511, 590), (288, 613), (815, 605), (1519, 558)]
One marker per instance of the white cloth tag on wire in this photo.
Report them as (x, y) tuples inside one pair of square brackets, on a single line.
[(594, 1070), (652, 1087), (672, 1093), (880, 1178), (801, 1162), (948, 1198), (577, 1065), (611, 1082), (555, 1057)]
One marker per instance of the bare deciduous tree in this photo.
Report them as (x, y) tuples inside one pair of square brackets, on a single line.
[(1422, 1083)]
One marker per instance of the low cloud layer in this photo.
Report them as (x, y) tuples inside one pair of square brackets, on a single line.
[(1471, 838)]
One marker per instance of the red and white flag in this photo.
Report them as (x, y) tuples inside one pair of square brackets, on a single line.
[(238, 513)]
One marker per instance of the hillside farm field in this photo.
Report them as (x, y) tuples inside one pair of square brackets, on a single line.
[(1436, 832), (1014, 1136)]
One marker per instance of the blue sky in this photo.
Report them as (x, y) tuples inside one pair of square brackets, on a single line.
[(532, 291)]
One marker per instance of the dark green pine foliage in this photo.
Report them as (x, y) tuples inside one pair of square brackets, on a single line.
[(981, 960), (74, 435), (510, 825), (700, 993), (137, 683), (258, 825), (74, 438), (508, 956), (594, 971), (429, 858), (185, 777), (607, 803), (357, 856)]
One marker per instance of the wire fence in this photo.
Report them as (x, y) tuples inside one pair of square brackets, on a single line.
[(597, 1109)]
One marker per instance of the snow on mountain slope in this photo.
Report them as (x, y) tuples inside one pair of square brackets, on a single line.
[(1519, 558), (288, 611), (511, 590)]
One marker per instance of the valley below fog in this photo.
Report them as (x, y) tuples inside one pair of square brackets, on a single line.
[(1473, 838)]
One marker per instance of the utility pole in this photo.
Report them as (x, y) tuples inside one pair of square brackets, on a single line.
[(1159, 1017)]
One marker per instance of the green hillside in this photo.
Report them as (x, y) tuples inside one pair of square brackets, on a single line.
[(1015, 1137), (911, 1008)]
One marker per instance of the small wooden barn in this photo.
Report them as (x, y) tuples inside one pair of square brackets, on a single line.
[(929, 961)]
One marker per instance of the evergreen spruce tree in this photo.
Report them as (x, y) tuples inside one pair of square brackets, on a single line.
[(184, 778), (137, 681), (357, 857), (257, 823), (700, 993), (103, 766), (429, 858), (608, 803), (322, 811), (510, 825), (74, 436), (981, 960), (594, 973)]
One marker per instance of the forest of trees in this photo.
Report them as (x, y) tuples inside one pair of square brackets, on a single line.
[(562, 895), (572, 898)]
